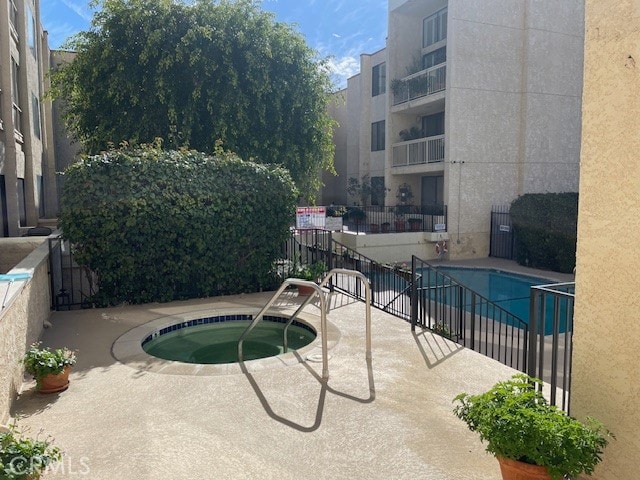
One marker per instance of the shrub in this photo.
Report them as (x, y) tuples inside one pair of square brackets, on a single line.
[(546, 228), (517, 423), (40, 362), (23, 457), (158, 225)]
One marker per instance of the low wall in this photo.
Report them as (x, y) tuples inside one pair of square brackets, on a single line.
[(393, 247), (26, 308), (14, 250)]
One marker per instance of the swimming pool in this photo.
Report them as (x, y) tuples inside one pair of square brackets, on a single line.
[(214, 340), (510, 291)]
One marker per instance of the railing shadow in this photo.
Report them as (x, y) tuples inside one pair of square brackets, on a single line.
[(324, 388), (440, 348)]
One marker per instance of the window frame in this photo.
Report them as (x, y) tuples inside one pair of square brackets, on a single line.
[(434, 28), (379, 79), (378, 136)]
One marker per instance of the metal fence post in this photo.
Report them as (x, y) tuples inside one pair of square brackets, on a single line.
[(414, 293)]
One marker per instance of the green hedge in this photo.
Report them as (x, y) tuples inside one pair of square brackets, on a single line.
[(159, 225), (546, 228)]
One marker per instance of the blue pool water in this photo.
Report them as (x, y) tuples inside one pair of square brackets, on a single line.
[(507, 290)]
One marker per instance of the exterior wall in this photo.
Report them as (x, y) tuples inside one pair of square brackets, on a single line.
[(605, 375), (24, 153), (513, 108), (393, 248), (14, 250), (21, 322)]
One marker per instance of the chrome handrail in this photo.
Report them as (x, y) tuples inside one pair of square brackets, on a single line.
[(323, 318), (367, 297)]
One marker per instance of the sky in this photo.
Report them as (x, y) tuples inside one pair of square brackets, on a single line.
[(338, 29)]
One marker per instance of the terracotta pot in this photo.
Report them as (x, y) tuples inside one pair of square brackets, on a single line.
[(385, 227), (54, 383), (374, 227), (514, 470), (399, 224), (304, 291), (415, 226)]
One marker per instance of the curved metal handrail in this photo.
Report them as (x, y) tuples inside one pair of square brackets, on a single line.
[(323, 318), (367, 297)]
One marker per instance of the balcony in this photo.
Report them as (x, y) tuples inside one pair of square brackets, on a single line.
[(418, 152), (421, 84)]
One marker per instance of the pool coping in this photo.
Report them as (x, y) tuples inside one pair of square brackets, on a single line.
[(127, 349)]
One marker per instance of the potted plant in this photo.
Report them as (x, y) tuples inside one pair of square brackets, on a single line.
[(374, 227), (415, 224), (385, 227), (50, 368), (529, 437), (22, 457), (311, 272)]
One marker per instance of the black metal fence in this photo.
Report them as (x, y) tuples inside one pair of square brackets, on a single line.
[(445, 306), (502, 241), (551, 339), (401, 218), (72, 285)]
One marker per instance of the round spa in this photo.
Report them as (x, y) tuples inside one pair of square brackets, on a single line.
[(214, 340)]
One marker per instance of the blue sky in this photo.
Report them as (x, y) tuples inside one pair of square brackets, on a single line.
[(340, 29)]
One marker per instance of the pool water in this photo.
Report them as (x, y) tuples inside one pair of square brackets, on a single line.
[(508, 290), (218, 343)]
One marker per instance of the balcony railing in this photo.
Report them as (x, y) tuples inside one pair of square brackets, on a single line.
[(420, 151), (423, 83), (401, 218)]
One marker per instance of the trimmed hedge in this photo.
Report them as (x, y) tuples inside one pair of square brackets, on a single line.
[(546, 229), (160, 225)]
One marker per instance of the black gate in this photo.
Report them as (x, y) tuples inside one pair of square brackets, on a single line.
[(502, 242), (72, 286)]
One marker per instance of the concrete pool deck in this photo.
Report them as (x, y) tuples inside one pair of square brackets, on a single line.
[(387, 419)]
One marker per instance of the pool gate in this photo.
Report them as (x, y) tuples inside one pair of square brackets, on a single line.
[(72, 285), (502, 237)]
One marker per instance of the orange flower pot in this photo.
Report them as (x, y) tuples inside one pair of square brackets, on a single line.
[(514, 470), (54, 383)]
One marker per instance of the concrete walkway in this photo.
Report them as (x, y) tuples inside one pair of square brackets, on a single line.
[(389, 419)]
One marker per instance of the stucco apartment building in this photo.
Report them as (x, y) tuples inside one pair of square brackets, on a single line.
[(471, 104), (27, 159)]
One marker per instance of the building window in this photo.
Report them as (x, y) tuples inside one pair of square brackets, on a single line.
[(22, 204), (31, 32), (3, 208), (15, 97), (434, 58), (35, 113), (433, 125), (434, 28), (379, 80), (377, 191), (40, 195), (13, 15), (377, 136)]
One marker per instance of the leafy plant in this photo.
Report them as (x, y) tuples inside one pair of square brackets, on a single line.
[(193, 73), (40, 362), (517, 423), (159, 225), (23, 457), (311, 271), (546, 226), (336, 211)]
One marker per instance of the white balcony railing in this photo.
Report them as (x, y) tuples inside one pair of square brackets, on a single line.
[(420, 151), (423, 83)]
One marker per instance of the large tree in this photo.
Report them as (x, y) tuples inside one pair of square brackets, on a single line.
[(197, 73)]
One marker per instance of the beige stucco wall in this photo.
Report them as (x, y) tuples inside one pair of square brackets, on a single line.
[(393, 247), (14, 250), (21, 322), (606, 377)]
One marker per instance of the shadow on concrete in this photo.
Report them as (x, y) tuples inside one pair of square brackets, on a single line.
[(434, 348), (324, 388)]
